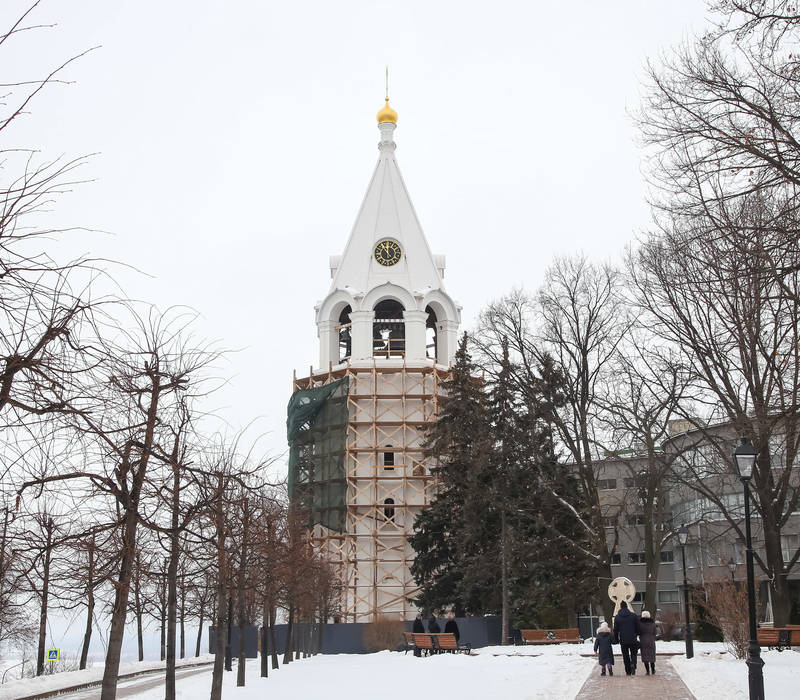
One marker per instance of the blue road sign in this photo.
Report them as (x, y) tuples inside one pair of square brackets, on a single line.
[(52, 654)]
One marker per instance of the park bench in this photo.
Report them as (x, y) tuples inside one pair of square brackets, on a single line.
[(424, 642), (447, 642), (561, 636), (430, 643), (409, 640), (779, 638)]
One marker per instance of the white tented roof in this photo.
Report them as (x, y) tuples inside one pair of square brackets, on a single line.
[(387, 212)]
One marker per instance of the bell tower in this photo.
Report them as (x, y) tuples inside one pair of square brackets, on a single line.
[(387, 335)]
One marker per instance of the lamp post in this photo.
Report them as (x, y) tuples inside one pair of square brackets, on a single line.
[(683, 536), (732, 569), (744, 456)]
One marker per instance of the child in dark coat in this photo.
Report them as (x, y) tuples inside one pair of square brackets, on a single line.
[(602, 647)]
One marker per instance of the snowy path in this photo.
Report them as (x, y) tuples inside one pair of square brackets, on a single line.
[(665, 685), (133, 687)]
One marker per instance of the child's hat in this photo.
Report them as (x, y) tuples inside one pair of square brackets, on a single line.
[(645, 614)]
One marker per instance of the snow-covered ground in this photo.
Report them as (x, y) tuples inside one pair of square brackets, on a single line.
[(713, 673), (553, 672), (393, 676), (30, 686)]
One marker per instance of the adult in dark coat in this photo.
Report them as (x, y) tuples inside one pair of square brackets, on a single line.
[(433, 626), (647, 642), (626, 630), (603, 649), (418, 627), (451, 626)]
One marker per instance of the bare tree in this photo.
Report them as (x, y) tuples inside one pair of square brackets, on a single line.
[(738, 334), (573, 328), (640, 401), (131, 399)]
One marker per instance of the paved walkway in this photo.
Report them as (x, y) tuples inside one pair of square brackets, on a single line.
[(665, 685)]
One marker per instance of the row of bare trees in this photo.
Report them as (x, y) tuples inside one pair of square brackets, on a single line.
[(116, 504)]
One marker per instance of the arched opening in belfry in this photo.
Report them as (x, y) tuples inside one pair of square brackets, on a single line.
[(389, 329), (388, 508), (345, 335), (430, 334)]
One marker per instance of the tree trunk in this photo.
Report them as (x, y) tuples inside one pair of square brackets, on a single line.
[(504, 576), (200, 628), (221, 615), (45, 593), (87, 635), (172, 580), (182, 618), (287, 652), (240, 603), (264, 631), (137, 604), (272, 639), (120, 609)]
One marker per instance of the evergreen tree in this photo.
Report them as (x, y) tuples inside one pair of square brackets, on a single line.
[(459, 442)]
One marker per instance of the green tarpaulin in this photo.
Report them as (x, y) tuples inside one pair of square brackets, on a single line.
[(316, 427)]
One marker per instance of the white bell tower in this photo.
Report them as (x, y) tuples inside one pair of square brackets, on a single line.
[(388, 330), (387, 273)]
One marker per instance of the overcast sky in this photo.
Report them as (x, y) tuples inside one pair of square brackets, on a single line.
[(235, 141)]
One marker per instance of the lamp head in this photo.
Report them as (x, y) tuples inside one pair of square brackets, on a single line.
[(683, 535), (744, 457)]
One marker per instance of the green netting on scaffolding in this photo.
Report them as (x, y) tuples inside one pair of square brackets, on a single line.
[(316, 427)]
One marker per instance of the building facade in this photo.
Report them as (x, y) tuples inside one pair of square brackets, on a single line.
[(387, 333), (715, 549)]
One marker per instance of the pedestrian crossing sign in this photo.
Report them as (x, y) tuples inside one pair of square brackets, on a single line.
[(52, 654)]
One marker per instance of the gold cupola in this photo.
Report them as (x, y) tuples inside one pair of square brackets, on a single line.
[(387, 114)]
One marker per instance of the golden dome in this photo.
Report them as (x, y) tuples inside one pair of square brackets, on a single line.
[(387, 114)]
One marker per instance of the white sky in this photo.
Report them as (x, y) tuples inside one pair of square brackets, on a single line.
[(236, 139)]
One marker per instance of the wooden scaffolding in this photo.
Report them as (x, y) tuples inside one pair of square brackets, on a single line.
[(389, 481)]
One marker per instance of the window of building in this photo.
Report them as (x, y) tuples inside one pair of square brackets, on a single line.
[(636, 558), (388, 508), (635, 519), (609, 521), (616, 559), (388, 460), (606, 484), (638, 597), (668, 596), (667, 556), (629, 482), (788, 546)]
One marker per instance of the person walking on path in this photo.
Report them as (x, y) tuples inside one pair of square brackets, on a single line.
[(604, 650), (451, 626), (626, 630), (418, 627), (647, 642)]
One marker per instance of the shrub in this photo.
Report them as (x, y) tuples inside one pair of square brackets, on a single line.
[(384, 633), (725, 604)]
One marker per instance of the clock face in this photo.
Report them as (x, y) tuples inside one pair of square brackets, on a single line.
[(388, 253)]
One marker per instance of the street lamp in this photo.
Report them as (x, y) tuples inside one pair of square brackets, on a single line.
[(683, 536), (744, 456), (732, 569)]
